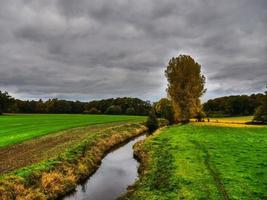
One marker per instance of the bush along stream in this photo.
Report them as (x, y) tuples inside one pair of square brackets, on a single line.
[(58, 176)]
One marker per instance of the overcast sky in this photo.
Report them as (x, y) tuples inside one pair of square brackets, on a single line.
[(92, 49)]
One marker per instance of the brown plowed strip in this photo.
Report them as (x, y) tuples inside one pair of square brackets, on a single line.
[(39, 149)]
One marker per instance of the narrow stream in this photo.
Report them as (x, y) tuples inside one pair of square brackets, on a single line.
[(117, 171)]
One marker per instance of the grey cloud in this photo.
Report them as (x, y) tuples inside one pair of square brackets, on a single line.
[(95, 49)]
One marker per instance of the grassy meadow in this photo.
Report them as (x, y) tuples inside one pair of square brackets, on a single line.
[(199, 161), (220, 159), (21, 127)]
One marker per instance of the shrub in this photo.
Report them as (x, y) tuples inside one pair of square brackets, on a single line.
[(261, 114), (152, 121), (200, 116), (113, 110)]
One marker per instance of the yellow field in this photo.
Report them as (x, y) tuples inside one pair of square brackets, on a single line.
[(235, 120)]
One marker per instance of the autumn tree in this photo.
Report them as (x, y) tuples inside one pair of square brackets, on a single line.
[(185, 87)]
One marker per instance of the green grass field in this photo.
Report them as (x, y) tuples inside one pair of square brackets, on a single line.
[(59, 172), (204, 162), (22, 127), (221, 160)]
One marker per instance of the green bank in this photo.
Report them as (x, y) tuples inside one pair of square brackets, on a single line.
[(202, 162)]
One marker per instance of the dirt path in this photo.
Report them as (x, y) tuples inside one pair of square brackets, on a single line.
[(215, 174), (39, 149)]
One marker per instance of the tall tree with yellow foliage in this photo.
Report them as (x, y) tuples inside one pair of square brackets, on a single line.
[(186, 85)]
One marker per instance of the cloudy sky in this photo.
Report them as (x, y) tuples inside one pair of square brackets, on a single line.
[(91, 49)]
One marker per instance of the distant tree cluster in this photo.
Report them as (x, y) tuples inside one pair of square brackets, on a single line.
[(5, 101), (125, 105), (239, 105), (49, 106)]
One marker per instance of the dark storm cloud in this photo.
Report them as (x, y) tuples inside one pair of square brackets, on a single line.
[(94, 49)]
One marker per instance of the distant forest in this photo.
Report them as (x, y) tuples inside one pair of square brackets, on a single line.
[(238, 105), (125, 105)]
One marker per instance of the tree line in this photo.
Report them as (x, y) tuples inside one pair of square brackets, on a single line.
[(238, 105), (116, 106)]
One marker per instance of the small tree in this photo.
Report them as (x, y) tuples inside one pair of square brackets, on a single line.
[(152, 121), (165, 110), (185, 86), (261, 112)]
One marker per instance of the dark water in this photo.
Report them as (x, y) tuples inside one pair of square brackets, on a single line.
[(117, 171)]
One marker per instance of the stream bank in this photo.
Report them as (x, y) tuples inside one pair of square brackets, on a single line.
[(118, 170)]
